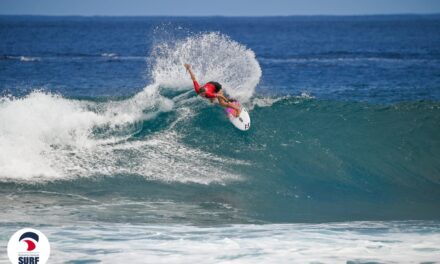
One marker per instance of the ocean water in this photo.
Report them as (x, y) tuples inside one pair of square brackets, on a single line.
[(105, 148)]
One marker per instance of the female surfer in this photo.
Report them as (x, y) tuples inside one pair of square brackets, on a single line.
[(212, 90)]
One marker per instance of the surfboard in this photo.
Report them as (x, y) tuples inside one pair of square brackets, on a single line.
[(243, 121)]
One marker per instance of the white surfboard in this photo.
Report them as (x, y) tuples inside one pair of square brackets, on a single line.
[(243, 121)]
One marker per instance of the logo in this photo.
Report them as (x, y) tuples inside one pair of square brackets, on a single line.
[(28, 246)]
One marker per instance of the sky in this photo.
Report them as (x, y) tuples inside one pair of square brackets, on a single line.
[(217, 7)]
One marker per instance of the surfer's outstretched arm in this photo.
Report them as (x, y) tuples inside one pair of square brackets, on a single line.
[(188, 68), (193, 77)]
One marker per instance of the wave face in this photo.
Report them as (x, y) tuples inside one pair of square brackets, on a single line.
[(304, 159)]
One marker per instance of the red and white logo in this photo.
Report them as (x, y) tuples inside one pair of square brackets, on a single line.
[(28, 246)]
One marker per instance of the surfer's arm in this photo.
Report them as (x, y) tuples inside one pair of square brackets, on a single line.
[(193, 77), (196, 86), (188, 68)]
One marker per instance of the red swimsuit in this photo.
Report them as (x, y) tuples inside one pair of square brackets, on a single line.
[(209, 89)]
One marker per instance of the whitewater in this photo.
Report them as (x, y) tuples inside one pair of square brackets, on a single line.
[(49, 137)]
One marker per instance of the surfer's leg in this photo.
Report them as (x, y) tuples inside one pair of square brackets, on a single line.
[(234, 109), (231, 111)]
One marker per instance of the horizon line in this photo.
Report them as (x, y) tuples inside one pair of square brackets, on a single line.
[(228, 16)]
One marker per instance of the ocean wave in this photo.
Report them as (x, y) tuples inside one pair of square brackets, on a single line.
[(75, 57), (20, 58), (49, 137), (353, 57), (314, 159), (111, 55), (303, 157), (345, 60)]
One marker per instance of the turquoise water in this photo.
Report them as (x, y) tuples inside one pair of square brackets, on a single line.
[(368, 165)]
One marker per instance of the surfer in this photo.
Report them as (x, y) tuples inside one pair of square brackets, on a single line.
[(213, 90)]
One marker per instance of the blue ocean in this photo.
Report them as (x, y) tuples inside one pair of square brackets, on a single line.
[(106, 149)]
